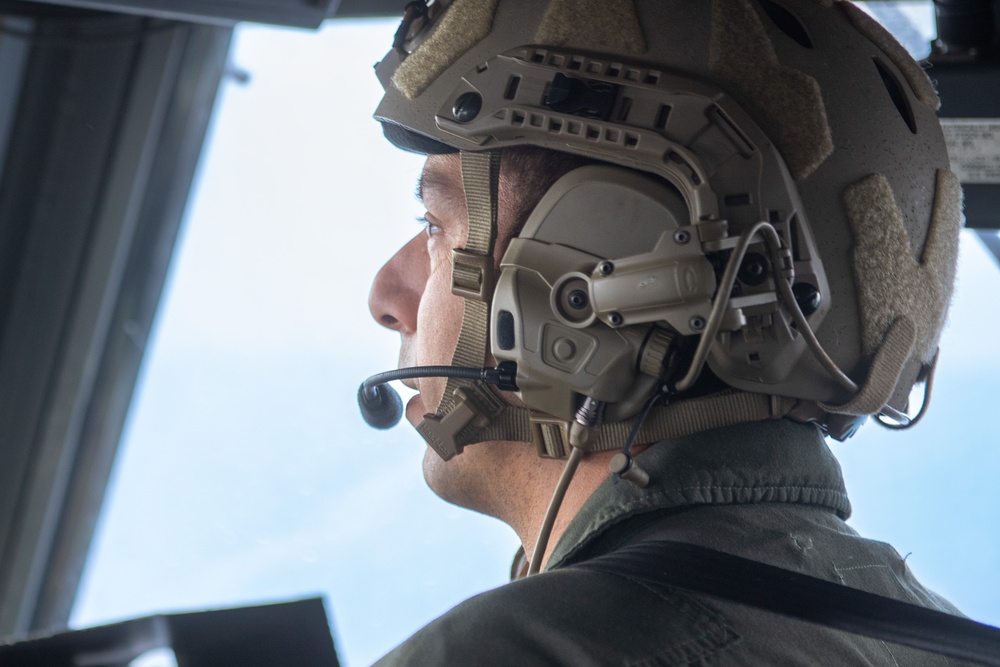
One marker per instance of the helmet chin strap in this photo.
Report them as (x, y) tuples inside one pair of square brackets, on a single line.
[(466, 404)]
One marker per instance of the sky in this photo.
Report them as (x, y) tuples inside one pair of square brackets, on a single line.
[(246, 474)]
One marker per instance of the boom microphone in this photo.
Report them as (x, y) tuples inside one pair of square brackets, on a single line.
[(381, 407)]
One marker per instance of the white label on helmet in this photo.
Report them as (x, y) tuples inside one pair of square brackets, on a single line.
[(974, 148)]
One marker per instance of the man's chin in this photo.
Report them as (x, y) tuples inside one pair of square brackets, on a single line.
[(433, 464), (445, 479)]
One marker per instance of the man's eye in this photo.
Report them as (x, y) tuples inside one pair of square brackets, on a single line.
[(429, 227)]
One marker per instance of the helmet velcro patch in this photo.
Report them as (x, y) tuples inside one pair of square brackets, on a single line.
[(788, 103), (598, 24), (462, 26), (891, 283)]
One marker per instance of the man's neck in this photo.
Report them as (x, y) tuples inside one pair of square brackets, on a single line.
[(527, 519)]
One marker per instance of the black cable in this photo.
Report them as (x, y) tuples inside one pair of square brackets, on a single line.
[(503, 376), (459, 372), (633, 433), (381, 406)]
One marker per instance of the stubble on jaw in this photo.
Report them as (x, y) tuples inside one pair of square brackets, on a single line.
[(499, 479)]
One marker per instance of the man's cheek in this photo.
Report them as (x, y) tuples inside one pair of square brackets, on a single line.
[(431, 392), (439, 261)]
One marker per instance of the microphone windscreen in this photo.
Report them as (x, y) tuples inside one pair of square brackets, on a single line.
[(381, 406)]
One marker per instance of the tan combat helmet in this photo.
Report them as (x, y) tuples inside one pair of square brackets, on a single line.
[(774, 202)]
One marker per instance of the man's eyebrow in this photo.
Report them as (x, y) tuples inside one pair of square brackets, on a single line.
[(442, 184), (430, 179)]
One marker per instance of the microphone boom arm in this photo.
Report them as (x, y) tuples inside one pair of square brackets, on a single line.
[(381, 406)]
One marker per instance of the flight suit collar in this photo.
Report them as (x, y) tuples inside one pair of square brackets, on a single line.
[(764, 462)]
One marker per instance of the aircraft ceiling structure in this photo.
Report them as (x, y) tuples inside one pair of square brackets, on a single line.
[(293, 13), (104, 107)]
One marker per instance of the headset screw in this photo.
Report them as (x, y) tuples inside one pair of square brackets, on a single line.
[(606, 268), (697, 322), (467, 107), (682, 236), (577, 299), (753, 271), (616, 319)]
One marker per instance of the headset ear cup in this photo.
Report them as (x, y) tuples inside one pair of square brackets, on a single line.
[(543, 312)]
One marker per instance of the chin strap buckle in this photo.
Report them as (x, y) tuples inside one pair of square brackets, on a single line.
[(471, 275), (441, 431), (550, 436)]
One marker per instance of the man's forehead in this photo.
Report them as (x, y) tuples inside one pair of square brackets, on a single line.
[(441, 181)]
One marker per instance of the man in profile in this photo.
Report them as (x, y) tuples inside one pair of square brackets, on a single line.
[(688, 240)]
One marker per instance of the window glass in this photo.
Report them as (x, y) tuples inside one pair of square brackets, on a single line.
[(910, 21), (246, 474)]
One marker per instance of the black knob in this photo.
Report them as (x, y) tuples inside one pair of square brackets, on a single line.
[(467, 107), (808, 298)]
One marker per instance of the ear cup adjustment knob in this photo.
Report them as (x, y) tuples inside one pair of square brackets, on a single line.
[(657, 355)]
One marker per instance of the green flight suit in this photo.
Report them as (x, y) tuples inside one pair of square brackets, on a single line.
[(769, 491)]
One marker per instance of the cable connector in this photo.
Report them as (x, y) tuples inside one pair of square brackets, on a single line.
[(504, 376), (624, 466)]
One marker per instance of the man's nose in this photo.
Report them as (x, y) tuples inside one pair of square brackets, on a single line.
[(398, 286)]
